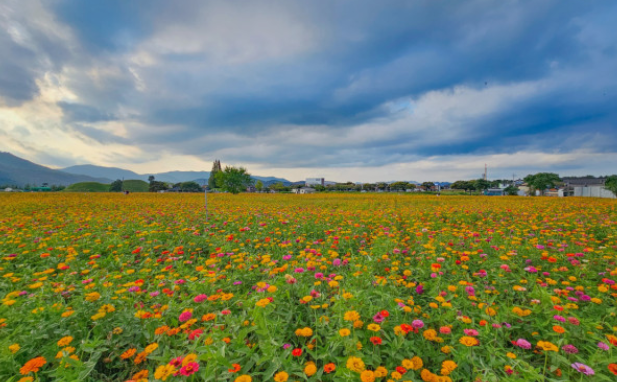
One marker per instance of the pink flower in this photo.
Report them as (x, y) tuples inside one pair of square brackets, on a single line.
[(470, 332), (336, 262), (185, 316), (189, 369), (524, 344), (582, 368), (417, 324), (378, 318), (200, 298)]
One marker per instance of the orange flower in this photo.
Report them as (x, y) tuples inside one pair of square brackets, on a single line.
[(329, 368), (33, 365), (558, 329), (140, 358), (128, 354), (613, 368)]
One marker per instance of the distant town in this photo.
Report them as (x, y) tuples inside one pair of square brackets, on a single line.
[(20, 175)]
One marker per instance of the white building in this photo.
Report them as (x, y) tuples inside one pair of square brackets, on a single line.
[(314, 181)]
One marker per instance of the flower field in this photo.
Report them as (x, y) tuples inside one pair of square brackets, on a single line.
[(281, 288)]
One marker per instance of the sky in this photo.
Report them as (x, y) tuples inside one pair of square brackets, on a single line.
[(359, 91)]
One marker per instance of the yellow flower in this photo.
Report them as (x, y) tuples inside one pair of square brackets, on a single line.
[(373, 327), (150, 348), (14, 348), (380, 372), (355, 364), (262, 304), (93, 296), (189, 359), (344, 332), (448, 367), (281, 377), (417, 363), (310, 368), (351, 315), (367, 376), (430, 334), (396, 375), (243, 378), (469, 341), (358, 324), (511, 355), (547, 346), (427, 376), (446, 349)]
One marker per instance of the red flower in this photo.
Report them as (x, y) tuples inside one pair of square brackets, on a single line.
[(376, 340), (385, 313), (401, 369), (297, 352), (406, 328), (236, 368)]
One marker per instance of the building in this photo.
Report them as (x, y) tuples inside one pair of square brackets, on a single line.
[(494, 192), (314, 182), (586, 187), (303, 190)]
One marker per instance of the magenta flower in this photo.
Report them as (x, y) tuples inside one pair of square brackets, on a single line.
[(570, 349), (185, 316), (417, 324), (524, 344), (378, 318), (200, 298), (582, 368), (603, 346)]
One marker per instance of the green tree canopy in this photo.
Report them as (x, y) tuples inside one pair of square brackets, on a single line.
[(115, 186), (611, 184), (216, 168), (481, 184), (542, 180), (233, 179), (259, 185)]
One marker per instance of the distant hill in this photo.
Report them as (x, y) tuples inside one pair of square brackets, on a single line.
[(111, 173), (133, 185), (200, 177), (87, 187), (17, 171)]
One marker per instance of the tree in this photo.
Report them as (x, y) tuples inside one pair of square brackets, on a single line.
[(259, 185), (116, 186), (481, 184), (156, 186), (190, 187), (212, 181), (427, 185), (151, 178), (233, 179), (542, 180), (611, 184), (511, 190)]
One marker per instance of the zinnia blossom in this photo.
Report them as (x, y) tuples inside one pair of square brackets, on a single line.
[(33, 365), (582, 368)]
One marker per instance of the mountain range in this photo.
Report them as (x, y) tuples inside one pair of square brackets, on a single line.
[(18, 171)]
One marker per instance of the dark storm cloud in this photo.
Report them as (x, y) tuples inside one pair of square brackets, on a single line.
[(186, 73)]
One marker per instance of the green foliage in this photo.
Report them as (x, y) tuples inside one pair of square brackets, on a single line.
[(511, 190), (156, 186), (542, 180), (611, 184), (188, 187), (134, 185), (481, 184), (259, 185), (216, 168), (115, 186), (87, 187), (427, 185), (233, 179)]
